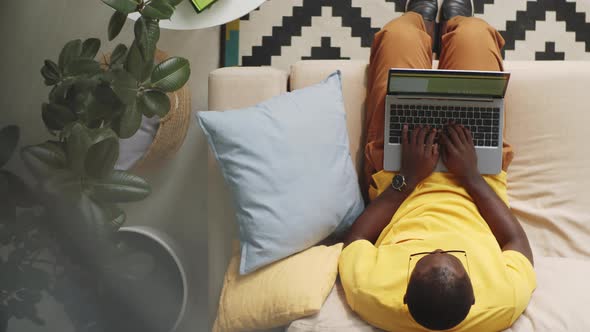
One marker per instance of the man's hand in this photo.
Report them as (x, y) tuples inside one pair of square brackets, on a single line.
[(419, 154), (458, 153)]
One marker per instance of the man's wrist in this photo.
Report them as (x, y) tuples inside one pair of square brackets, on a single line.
[(411, 183), (471, 182), (410, 180)]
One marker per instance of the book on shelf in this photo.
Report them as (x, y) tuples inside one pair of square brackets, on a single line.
[(201, 5)]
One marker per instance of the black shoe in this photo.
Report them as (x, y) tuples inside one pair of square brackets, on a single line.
[(452, 8), (427, 8)]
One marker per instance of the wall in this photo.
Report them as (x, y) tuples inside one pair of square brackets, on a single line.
[(32, 31)]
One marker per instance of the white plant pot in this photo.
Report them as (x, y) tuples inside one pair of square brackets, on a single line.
[(164, 241)]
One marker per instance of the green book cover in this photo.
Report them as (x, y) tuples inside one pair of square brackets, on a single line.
[(201, 4)]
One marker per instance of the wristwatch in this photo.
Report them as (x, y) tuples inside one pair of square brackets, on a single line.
[(399, 182)]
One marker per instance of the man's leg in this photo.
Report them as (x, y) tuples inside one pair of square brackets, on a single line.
[(470, 43), (402, 43)]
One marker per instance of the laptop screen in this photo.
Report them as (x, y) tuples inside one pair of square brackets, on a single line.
[(448, 82)]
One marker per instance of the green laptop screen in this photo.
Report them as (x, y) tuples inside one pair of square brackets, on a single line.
[(486, 84)]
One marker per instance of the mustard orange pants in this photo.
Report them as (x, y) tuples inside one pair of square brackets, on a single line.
[(468, 43)]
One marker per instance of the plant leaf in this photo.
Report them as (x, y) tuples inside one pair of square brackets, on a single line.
[(19, 192), (82, 66), (56, 116), (59, 92), (153, 36), (120, 186), (44, 159), (101, 134), (123, 6), (135, 63), (103, 154), (79, 96), (116, 24), (63, 184), (104, 105), (90, 48), (50, 72), (93, 213), (118, 55), (148, 67), (154, 102), (77, 144), (147, 34), (116, 216), (158, 9), (140, 31), (129, 122), (174, 3), (9, 136), (125, 86), (171, 74), (71, 50)]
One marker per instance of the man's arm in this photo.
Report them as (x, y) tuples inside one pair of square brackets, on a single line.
[(377, 215), (459, 156), (504, 225), (419, 158)]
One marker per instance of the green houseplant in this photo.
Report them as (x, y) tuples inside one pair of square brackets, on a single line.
[(94, 101), (92, 104)]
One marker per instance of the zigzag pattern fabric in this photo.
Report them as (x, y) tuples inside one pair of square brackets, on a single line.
[(281, 32)]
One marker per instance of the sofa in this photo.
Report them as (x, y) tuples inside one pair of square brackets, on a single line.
[(549, 187)]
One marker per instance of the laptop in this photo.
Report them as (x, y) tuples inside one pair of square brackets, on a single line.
[(474, 99)]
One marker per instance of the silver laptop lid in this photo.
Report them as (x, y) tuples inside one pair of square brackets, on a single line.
[(448, 83)]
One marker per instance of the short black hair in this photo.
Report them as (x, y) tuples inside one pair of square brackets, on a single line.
[(439, 299)]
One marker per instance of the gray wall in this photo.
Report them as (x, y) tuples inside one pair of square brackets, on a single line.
[(33, 30)]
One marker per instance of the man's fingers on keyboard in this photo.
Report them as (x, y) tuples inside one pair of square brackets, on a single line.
[(415, 134), (405, 134), (469, 136), (447, 144), (461, 133), (453, 136), (430, 140), (443, 150), (422, 136)]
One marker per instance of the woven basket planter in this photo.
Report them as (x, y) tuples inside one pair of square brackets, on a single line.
[(172, 128)]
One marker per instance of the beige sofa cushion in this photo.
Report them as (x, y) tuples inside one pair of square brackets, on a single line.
[(548, 183), (560, 303)]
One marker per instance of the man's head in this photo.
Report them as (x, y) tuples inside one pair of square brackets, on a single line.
[(439, 294)]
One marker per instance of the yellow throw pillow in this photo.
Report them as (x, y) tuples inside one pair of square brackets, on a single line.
[(279, 293)]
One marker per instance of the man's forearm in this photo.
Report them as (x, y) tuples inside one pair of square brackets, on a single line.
[(504, 225), (377, 215)]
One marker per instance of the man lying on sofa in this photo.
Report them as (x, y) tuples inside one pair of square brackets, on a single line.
[(442, 251)]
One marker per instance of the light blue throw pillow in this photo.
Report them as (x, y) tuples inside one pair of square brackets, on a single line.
[(288, 166)]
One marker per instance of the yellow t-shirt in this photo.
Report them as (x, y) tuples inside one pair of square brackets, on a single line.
[(439, 214)]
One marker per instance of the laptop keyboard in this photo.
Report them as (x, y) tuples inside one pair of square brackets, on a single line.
[(484, 122)]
